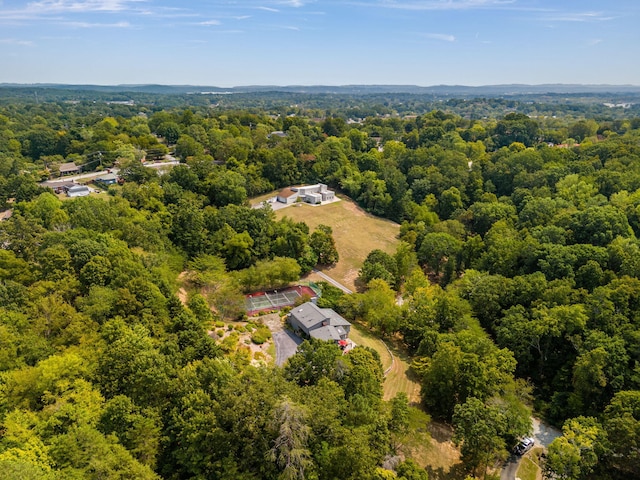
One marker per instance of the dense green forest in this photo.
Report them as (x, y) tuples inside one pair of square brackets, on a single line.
[(518, 270)]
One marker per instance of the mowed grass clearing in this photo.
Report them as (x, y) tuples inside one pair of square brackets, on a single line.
[(355, 231), (399, 377), (363, 338), (529, 468)]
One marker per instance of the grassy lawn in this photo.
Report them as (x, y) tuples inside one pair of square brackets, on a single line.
[(355, 231), (365, 339), (529, 468), (401, 379), (429, 444)]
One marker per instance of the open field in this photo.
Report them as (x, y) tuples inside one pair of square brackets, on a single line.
[(355, 231)]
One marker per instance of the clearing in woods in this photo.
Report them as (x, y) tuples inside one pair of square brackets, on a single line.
[(355, 232)]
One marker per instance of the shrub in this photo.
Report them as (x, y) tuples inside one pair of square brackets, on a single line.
[(261, 335), (229, 344)]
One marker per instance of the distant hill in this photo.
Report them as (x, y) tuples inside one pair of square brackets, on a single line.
[(438, 90)]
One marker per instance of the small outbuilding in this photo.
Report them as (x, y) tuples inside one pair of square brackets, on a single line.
[(310, 321), (78, 191)]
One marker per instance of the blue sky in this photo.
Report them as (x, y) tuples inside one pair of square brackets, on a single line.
[(306, 42)]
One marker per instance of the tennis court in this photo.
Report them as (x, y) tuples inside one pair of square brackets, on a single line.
[(276, 299)]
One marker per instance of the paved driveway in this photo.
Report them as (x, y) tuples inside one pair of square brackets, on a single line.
[(286, 345), (543, 435)]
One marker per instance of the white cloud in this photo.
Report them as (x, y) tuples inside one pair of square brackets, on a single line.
[(48, 9), (440, 36), (209, 23), (295, 3), (98, 25), (15, 41), (78, 6), (594, 41), (578, 17), (268, 9), (440, 4)]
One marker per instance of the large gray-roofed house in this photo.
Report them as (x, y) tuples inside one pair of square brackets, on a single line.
[(322, 323)]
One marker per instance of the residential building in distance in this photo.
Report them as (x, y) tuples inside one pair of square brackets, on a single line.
[(287, 195), (107, 179), (78, 191), (68, 168), (313, 194)]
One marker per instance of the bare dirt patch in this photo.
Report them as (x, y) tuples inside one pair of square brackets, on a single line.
[(182, 292)]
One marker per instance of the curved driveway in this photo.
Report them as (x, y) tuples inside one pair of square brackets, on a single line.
[(543, 434), (286, 343)]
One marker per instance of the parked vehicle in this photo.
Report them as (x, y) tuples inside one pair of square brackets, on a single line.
[(524, 446)]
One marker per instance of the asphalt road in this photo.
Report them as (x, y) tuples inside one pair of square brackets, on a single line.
[(85, 176)]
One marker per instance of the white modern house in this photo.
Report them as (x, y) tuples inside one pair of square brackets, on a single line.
[(313, 194)]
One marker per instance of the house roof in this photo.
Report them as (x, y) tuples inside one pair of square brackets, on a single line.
[(68, 167), (327, 333), (59, 184), (6, 215), (109, 177), (287, 192), (313, 317), (78, 188)]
